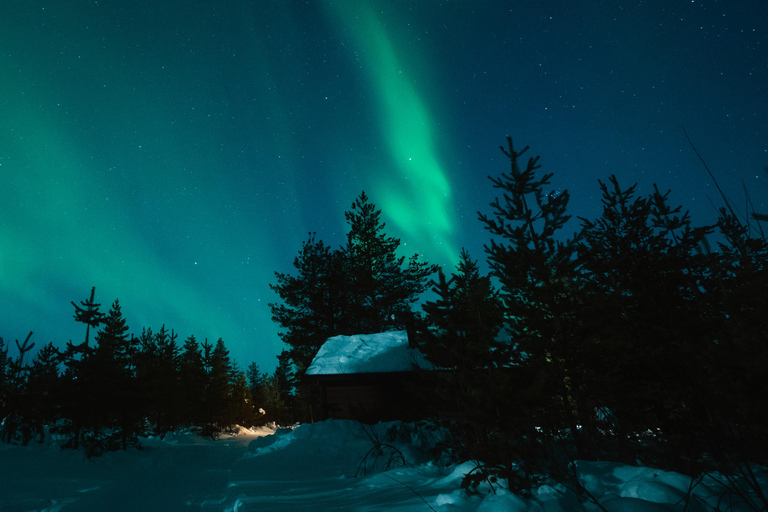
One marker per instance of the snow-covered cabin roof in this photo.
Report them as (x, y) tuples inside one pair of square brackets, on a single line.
[(383, 352)]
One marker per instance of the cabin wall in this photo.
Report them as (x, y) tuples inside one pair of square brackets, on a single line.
[(369, 398)]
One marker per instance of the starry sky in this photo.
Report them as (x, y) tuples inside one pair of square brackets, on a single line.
[(176, 154)]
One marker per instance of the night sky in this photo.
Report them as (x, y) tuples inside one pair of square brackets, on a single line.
[(174, 154)]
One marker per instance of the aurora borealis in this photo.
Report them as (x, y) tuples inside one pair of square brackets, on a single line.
[(175, 154)]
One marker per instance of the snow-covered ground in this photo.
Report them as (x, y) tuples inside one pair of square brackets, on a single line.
[(311, 467)]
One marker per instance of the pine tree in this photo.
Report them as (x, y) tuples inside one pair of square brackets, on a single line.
[(42, 393), (158, 370), (240, 407), (284, 377), (16, 421), (381, 289), (88, 313), (255, 381), (4, 378), (218, 386), (110, 371), (738, 355), (192, 380), (363, 288), (312, 307)]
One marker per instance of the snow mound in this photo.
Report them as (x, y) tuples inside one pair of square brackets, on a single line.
[(313, 467), (367, 353)]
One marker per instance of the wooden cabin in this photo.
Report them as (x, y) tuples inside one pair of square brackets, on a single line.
[(368, 378)]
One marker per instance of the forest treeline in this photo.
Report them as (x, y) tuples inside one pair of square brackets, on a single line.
[(103, 393), (634, 339)]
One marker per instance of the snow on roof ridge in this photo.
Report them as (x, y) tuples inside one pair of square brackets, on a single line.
[(383, 352)]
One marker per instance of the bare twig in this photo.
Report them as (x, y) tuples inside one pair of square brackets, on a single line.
[(412, 490), (722, 194)]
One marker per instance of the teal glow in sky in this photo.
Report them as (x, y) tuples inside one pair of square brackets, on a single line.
[(175, 154)]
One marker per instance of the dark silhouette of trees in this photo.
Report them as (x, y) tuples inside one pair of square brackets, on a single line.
[(363, 287), (313, 302), (538, 274), (16, 421), (465, 342), (42, 389), (104, 395), (158, 369), (88, 313), (381, 287), (193, 379)]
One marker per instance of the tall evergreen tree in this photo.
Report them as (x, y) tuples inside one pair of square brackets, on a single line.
[(381, 288), (192, 379), (4, 378), (218, 386), (159, 377), (466, 345), (42, 393), (15, 425), (738, 355), (312, 308), (538, 275), (255, 381), (363, 288), (113, 386), (646, 279)]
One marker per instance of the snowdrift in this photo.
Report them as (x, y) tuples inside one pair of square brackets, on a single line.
[(331, 465)]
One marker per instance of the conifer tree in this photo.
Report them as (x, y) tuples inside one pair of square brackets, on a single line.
[(4, 378), (255, 382), (192, 377), (218, 387), (313, 301), (42, 392), (466, 346), (240, 407), (284, 379), (110, 371), (738, 354), (159, 377), (646, 279), (539, 287), (89, 314), (16, 423), (381, 288), (363, 288)]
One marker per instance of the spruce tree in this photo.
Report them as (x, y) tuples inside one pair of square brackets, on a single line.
[(255, 382), (284, 379), (4, 378), (15, 425), (738, 355), (115, 395), (538, 274), (465, 345), (42, 393), (646, 281), (218, 386), (192, 382), (159, 377)]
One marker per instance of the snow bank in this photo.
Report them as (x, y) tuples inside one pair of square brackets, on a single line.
[(367, 353), (313, 467)]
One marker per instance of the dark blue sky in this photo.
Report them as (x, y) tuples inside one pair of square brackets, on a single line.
[(175, 154)]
